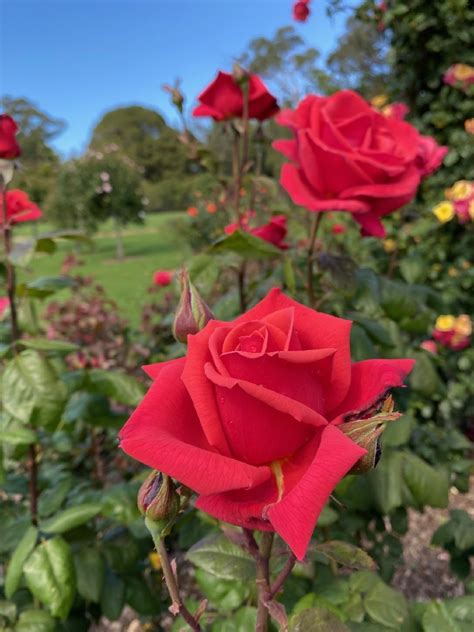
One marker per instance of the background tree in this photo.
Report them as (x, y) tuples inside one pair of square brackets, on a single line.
[(143, 135)]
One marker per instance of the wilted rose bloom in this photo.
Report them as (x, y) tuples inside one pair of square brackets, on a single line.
[(346, 156), (19, 208), (162, 278), (252, 418), (338, 229), (9, 148), (453, 333), (4, 305), (301, 11), (223, 99)]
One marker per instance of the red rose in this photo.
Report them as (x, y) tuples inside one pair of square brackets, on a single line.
[(223, 99), (4, 304), (9, 148), (274, 232), (338, 229), (346, 156), (19, 208), (162, 278), (430, 155), (301, 11), (250, 418)]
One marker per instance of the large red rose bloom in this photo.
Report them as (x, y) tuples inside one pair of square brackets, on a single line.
[(9, 148), (223, 99), (346, 156), (19, 208), (250, 418)]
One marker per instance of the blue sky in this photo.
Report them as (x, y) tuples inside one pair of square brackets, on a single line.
[(76, 59)]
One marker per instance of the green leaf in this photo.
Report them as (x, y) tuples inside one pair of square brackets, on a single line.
[(438, 619), (71, 518), (424, 378), (90, 573), (246, 245), (18, 435), (112, 598), (386, 482), (140, 598), (461, 608), (118, 386), (347, 555), (316, 620), (22, 253), (32, 391), (429, 486), (386, 606), (43, 344), (223, 594), (221, 557), (45, 286), (398, 433), (49, 574), (19, 557), (243, 620), (413, 268), (51, 499), (35, 620), (289, 275)]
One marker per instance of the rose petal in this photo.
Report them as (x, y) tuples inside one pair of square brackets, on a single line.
[(164, 433)]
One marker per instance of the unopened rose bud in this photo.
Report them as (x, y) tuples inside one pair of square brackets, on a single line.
[(241, 76), (192, 314), (366, 433), (177, 97), (158, 501)]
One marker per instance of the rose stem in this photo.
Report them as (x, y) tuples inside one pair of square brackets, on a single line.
[(11, 282), (15, 335), (172, 585), (284, 573), (312, 242), (241, 281), (263, 581)]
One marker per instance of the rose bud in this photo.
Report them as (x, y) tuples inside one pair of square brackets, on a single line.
[(240, 75), (158, 501), (192, 314), (366, 433)]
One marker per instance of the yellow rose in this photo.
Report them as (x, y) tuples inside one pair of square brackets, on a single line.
[(463, 325), (469, 125), (379, 100), (444, 212), (445, 322), (460, 190), (389, 245), (462, 72)]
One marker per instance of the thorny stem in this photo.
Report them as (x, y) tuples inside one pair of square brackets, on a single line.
[(237, 174), (178, 607), (312, 243)]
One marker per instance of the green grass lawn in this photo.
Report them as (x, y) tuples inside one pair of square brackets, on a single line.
[(153, 246)]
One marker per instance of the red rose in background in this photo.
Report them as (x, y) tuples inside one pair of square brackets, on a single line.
[(19, 208), (301, 11), (430, 155), (9, 148), (4, 304), (338, 229), (162, 278), (274, 232), (251, 418), (346, 156), (223, 99)]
